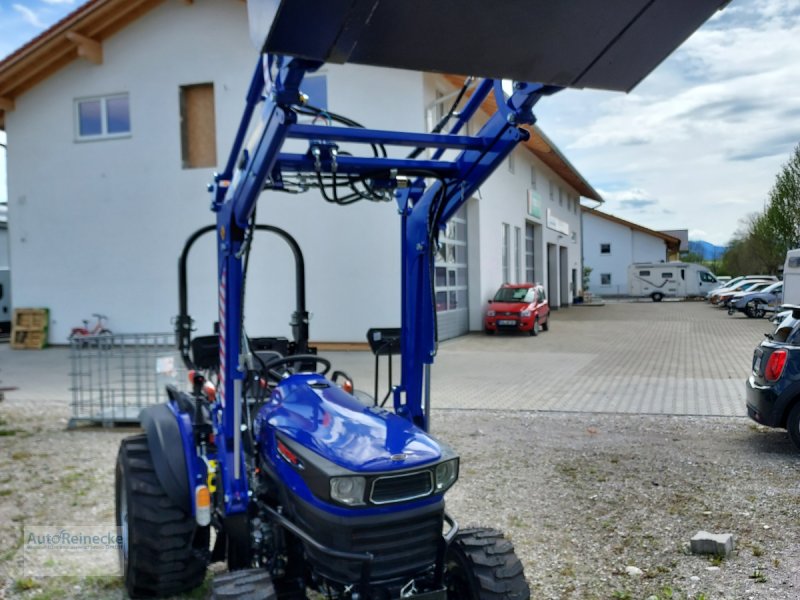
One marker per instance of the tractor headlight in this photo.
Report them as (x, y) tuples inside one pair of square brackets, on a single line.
[(446, 474), (525, 313), (348, 490), (490, 313)]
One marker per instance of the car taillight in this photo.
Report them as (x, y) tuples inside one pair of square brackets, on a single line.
[(775, 364)]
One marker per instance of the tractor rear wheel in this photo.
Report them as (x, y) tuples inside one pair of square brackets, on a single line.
[(481, 565), (163, 551)]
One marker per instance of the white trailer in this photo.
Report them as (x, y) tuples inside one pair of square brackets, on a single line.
[(669, 279), (791, 277)]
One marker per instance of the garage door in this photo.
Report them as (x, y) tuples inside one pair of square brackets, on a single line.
[(451, 278)]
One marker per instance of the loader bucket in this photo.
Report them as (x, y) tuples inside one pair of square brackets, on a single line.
[(604, 44)]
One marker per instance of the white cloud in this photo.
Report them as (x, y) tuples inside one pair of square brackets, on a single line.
[(697, 234), (29, 16), (59, 1), (705, 134)]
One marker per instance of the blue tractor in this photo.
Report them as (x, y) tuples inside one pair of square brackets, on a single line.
[(268, 463)]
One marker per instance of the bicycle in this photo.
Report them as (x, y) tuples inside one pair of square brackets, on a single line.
[(98, 329)]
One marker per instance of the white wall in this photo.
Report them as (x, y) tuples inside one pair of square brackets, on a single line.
[(98, 226), (627, 246), (4, 258)]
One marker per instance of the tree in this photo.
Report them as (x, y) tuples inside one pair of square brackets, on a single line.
[(761, 243)]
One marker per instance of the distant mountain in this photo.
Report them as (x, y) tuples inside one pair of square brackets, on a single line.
[(706, 249)]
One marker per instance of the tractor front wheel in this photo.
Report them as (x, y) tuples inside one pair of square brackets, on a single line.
[(481, 565), (163, 551)]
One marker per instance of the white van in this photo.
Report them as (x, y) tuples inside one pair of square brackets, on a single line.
[(669, 279), (791, 277)]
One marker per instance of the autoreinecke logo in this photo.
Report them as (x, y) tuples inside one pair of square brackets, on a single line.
[(71, 550)]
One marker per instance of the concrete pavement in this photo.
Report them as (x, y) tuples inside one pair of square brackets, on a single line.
[(679, 358)]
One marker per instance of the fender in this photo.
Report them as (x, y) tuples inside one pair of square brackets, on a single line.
[(166, 445)]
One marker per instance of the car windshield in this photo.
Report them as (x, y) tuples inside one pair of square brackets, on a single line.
[(773, 288), (509, 294)]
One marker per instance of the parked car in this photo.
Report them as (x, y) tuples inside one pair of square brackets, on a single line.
[(773, 388), (756, 304), (757, 286), (739, 286), (737, 280), (518, 307)]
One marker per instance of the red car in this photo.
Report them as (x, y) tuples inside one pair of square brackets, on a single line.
[(518, 307)]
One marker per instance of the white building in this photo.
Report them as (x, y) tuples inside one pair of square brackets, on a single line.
[(116, 119), (4, 259), (611, 244)]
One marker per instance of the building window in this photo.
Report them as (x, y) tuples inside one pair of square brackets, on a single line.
[(577, 204), (605, 248), (560, 197), (666, 275), (506, 247), (533, 177), (198, 126), (605, 278), (644, 273), (103, 117), (517, 254), (529, 254), (552, 191)]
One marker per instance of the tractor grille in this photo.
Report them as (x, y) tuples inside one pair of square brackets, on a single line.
[(397, 488), (405, 546), (403, 543)]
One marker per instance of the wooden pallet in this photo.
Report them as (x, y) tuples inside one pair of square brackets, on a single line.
[(29, 328)]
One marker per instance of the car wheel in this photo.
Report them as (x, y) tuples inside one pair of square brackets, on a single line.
[(489, 331), (536, 327), (793, 425), (732, 310), (657, 297)]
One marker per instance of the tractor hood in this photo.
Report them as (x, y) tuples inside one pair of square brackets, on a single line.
[(320, 416)]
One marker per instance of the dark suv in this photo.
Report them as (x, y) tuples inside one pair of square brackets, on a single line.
[(773, 388)]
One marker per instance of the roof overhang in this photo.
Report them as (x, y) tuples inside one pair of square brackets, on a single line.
[(78, 35)]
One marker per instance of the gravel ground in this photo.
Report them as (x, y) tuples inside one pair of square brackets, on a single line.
[(582, 496)]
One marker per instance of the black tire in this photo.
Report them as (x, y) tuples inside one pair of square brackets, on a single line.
[(535, 329), (481, 565), (793, 425), (732, 311), (248, 584), (164, 552), (546, 324), (657, 297), (489, 331)]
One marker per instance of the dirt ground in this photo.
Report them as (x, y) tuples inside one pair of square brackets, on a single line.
[(582, 496)]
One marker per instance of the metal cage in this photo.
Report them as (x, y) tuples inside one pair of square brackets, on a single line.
[(114, 376)]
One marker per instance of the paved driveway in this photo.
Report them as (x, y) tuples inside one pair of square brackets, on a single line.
[(681, 358)]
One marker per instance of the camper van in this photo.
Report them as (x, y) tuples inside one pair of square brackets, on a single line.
[(669, 279), (5, 300), (791, 277)]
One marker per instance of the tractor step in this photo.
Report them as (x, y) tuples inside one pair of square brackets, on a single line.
[(247, 584)]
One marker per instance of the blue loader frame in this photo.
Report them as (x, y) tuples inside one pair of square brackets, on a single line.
[(424, 209)]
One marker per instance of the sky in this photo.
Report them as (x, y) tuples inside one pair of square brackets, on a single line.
[(695, 146)]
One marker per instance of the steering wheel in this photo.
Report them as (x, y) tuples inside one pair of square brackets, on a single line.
[(269, 367)]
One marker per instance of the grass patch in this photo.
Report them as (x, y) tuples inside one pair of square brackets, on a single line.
[(757, 550), (4, 493), (22, 455), (25, 584), (7, 432)]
